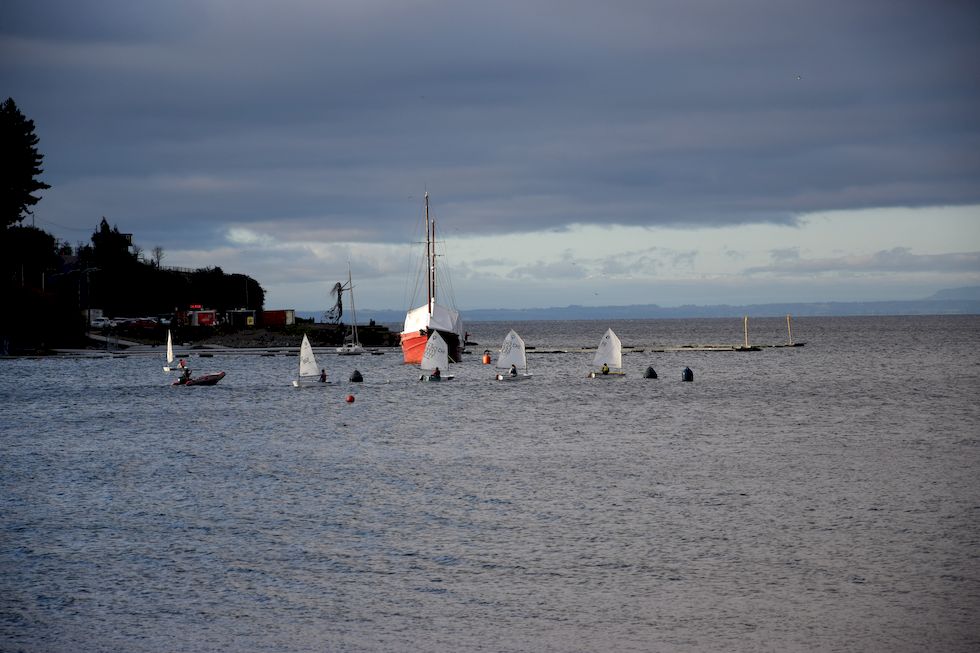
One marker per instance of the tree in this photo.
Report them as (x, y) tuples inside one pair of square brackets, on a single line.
[(20, 164), (158, 255), (111, 249)]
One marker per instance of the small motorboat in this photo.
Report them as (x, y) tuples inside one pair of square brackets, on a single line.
[(204, 379)]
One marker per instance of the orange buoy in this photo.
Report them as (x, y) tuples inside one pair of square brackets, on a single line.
[(350, 399)]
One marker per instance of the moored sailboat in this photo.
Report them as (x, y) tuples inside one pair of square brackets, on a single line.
[(354, 348), (430, 318)]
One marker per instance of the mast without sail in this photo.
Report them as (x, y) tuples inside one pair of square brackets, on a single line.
[(429, 258)]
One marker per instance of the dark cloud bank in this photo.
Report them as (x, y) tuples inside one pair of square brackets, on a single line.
[(178, 119)]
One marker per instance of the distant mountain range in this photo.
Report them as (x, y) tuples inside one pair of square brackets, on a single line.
[(952, 301)]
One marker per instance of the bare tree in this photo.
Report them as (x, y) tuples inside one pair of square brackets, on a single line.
[(157, 253)]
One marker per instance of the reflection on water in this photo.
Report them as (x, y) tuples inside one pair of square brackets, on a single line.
[(811, 498)]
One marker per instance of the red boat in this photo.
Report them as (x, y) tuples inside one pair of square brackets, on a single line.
[(204, 379), (421, 322)]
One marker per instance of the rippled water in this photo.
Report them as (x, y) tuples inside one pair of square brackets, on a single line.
[(823, 497)]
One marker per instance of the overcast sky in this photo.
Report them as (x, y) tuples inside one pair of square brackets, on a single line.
[(623, 152)]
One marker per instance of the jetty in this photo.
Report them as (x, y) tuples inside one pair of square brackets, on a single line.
[(666, 349)]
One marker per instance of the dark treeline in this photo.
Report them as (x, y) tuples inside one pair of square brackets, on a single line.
[(50, 288)]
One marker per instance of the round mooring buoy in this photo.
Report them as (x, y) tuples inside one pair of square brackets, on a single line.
[(687, 374), (356, 377), (350, 399), (650, 373)]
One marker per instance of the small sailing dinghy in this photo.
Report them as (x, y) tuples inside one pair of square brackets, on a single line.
[(608, 360), (310, 373), (170, 353), (512, 362), (435, 359)]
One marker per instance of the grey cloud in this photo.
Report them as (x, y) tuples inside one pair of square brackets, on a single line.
[(488, 262), (647, 262), (899, 259), (785, 254), (565, 269), (319, 116)]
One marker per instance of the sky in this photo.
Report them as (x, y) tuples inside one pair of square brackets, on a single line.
[(625, 152)]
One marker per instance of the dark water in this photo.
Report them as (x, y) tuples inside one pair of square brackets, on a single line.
[(823, 498)]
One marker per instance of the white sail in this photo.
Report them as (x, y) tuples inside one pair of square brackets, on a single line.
[(170, 353), (512, 353), (609, 352), (307, 360), (436, 353)]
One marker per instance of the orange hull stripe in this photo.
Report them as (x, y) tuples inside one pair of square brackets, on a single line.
[(413, 346)]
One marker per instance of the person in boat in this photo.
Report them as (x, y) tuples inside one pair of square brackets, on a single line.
[(185, 375), (436, 374), (182, 365), (323, 376), (605, 368), (513, 369)]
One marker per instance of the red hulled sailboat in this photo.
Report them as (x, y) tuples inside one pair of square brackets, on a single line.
[(420, 322)]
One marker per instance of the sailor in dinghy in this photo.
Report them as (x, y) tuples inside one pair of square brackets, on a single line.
[(310, 373), (512, 359), (434, 359), (608, 360)]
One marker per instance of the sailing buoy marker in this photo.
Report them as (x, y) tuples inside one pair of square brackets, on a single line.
[(350, 399)]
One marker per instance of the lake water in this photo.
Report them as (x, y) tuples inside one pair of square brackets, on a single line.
[(817, 498)]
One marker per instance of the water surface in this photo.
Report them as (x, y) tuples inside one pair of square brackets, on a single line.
[(812, 498)]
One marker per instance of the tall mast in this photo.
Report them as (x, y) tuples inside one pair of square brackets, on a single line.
[(350, 289), (433, 263), (428, 256)]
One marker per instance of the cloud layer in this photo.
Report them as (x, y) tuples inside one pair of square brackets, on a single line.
[(249, 126)]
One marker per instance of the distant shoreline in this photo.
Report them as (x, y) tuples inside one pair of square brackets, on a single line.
[(966, 306)]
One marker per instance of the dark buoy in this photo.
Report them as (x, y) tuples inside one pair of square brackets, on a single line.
[(650, 373), (356, 377), (687, 374), (350, 399)]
